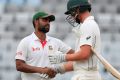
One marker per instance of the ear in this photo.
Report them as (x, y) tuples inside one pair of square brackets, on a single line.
[(36, 22)]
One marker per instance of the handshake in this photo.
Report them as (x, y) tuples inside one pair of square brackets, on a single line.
[(56, 60)]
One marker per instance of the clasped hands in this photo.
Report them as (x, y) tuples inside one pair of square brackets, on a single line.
[(47, 72), (55, 59)]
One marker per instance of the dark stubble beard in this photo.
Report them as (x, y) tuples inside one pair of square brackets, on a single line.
[(44, 28), (77, 20)]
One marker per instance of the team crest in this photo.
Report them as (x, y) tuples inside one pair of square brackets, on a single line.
[(50, 47)]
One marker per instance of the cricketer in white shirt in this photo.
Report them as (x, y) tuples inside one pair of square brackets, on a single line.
[(89, 35), (33, 53)]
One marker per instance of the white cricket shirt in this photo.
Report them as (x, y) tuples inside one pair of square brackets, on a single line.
[(31, 51), (89, 35)]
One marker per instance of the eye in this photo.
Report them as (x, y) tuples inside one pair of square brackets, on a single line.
[(45, 19)]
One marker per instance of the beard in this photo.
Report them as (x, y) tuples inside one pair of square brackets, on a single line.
[(77, 20), (44, 28)]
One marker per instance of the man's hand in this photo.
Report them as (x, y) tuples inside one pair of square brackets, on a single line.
[(44, 76), (48, 73), (58, 68), (57, 58)]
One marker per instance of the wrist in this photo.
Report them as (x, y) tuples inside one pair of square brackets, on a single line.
[(39, 70), (63, 57), (58, 68)]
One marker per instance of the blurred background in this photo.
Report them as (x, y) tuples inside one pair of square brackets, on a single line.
[(16, 23)]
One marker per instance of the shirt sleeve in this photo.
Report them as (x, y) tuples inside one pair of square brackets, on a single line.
[(87, 36), (63, 47), (21, 52)]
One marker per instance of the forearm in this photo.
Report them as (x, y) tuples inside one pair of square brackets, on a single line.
[(44, 72), (77, 56), (30, 69), (23, 67), (82, 54), (68, 66), (62, 68)]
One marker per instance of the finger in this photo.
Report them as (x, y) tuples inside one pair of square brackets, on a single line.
[(45, 76), (41, 75), (52, 58), (53, 61)]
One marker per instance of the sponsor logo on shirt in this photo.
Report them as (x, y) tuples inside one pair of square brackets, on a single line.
[(19, 53), (87, 38), (35, 49)]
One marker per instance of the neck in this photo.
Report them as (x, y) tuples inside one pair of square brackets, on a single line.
[(40, 35), (84, 15)]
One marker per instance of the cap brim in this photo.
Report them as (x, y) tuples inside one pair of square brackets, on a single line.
[(67, 13), (51, 17)]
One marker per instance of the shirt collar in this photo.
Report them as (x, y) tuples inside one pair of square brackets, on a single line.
[(89, 18), (37, 39)]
